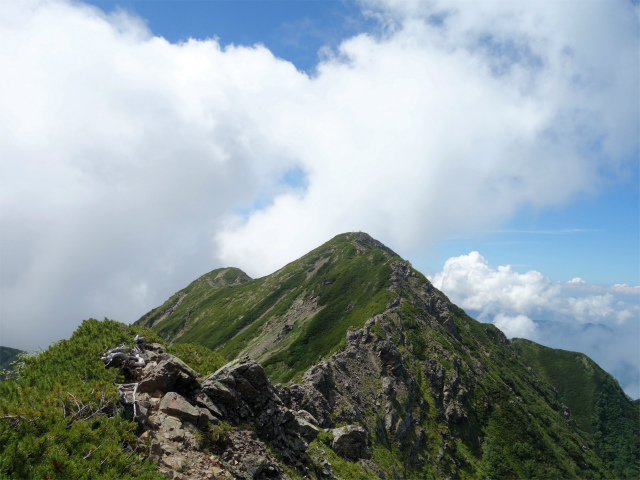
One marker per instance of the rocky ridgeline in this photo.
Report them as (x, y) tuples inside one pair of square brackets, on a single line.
[(366, 386), (180, 412), (371, 384)]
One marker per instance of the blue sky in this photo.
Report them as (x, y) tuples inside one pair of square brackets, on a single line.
[(560, 240), (495, 145), (292, 29)]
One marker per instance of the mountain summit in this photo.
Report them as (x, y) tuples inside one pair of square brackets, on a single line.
[(346, 363), (366, 342), (290, 318)]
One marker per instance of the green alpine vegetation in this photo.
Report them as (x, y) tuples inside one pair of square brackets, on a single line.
[(595, 400), (467, 406), (355, 336), (288, 319), (60, 417)]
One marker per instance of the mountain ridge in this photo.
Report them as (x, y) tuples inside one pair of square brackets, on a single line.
[(346, 363), (285, 294), (463, 376)]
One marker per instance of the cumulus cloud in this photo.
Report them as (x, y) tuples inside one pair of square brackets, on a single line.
[(519, 326), (603, 322), (121, 152), (131, 165), (475, 285), (450, 118)]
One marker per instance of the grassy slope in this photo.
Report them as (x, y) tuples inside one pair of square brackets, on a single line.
[(515, 426), (351, 286), (7, 356), (595, 400)]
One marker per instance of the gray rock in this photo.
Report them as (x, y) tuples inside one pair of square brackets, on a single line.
[(307, 416), (175, 405), (249, 394), (255, 375), (350, 442), (253, 465), (170, 428), (219, 392), (204, 401), (301, 425), (170, 374), (450, 325), (403, 427), (154, 347), (206, 418)]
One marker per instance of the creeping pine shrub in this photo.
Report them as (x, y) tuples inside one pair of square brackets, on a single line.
[(59, 416)]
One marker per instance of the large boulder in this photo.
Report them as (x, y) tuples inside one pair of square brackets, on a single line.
[(238, 382), (220, 392), (175, 405), (170, 374), (304, 425), (350, 442)]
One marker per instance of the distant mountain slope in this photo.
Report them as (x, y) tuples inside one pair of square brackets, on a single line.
[(7, 356), (286, 319), (595, 400), (440, 394)]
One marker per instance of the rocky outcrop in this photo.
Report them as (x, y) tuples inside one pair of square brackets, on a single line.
[(350, 442), (242, 392), (175, 405), (179, 411), (167, 373), (370, 391)]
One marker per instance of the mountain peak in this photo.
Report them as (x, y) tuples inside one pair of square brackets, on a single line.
[(347, 347), (366, 241)]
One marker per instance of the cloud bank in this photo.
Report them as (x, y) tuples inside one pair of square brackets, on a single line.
[(603, 322), (131, 165)]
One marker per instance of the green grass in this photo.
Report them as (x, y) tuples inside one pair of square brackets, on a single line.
[(359, 282), (42, 434), (512, 425), (595, 400), (350, 287)]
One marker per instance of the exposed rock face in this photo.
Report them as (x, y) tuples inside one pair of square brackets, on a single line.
[(369, 375), (350, 442), (168, 373), (242, 392), (419, 379), (174, 407)]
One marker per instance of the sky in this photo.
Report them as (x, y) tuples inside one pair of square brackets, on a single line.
[(493, 144)]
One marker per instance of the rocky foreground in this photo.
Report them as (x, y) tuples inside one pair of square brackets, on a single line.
[(180, 413)]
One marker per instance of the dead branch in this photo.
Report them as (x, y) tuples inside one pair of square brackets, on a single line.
[(94, 450)]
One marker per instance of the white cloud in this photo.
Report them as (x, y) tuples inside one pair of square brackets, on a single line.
[(602, 322), (475, 285), (624, 288), (519, 326), (131, 165), (424, 131), (577, 281), (121, 153)]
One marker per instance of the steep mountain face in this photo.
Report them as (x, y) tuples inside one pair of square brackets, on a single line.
[(595, 401), (368, 342), (289, 318)]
